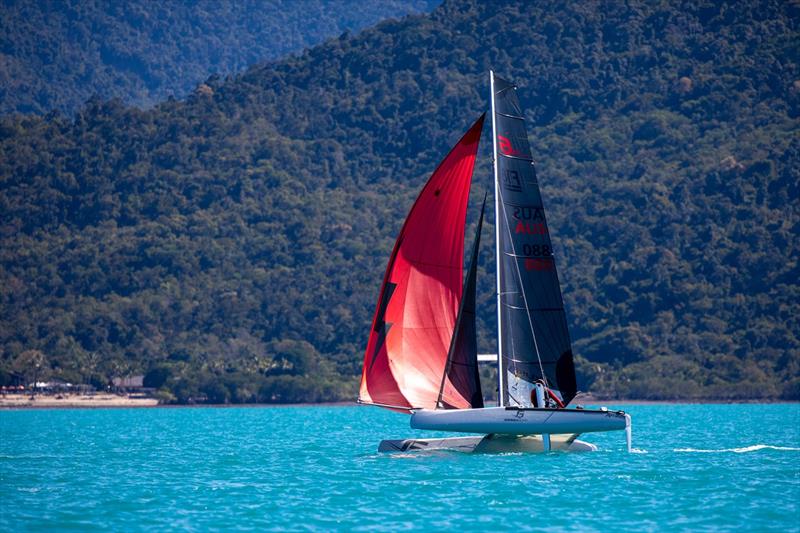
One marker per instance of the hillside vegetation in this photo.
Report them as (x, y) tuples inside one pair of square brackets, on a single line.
[(231, 245), (56, 54)]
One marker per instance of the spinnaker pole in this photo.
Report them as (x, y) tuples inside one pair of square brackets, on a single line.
[(497, 247)]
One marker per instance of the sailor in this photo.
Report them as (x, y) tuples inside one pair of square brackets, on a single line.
[(533, 397), (548, 400), (538, 396)]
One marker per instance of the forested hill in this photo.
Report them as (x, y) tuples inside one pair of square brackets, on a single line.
[(232, 245), (55, 54)]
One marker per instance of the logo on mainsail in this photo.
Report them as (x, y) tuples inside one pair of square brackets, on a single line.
[(506, 147), (511, 181)]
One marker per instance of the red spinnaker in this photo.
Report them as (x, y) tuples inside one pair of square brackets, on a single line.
[(419, 299)]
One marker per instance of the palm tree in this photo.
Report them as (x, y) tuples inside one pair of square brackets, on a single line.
[(32, 364)]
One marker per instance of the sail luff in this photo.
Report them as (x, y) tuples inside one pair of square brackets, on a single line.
[(500, 395)]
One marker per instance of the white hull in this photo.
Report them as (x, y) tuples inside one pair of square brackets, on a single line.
[(519, 421), (488, 444)]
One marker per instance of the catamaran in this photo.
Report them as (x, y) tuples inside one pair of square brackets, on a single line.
[(421, 356)]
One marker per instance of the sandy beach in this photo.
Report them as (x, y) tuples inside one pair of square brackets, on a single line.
[(74, 400)]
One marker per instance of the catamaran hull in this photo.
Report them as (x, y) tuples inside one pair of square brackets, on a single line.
[(488, 444), (520, 421)]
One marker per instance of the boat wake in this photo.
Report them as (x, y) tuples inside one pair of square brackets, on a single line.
[(746, 449)]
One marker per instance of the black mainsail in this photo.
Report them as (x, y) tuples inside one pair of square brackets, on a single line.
[(533, 339)]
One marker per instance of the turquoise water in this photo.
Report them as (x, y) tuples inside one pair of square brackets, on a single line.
[(696, 467)]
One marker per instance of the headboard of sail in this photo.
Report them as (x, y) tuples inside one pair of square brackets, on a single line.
[(419, 299)]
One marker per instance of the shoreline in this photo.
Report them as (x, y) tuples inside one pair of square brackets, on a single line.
[(74, 401), (15, 402)]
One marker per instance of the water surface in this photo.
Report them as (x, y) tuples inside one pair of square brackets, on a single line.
[(696, 467)]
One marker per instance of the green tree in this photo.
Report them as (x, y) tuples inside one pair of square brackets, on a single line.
[(32, 365)]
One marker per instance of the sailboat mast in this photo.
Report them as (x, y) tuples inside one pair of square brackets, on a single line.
[(497, 246)]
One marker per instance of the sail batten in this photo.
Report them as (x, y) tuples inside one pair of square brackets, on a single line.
[(533, 339), (515, 117), (417, 308)]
